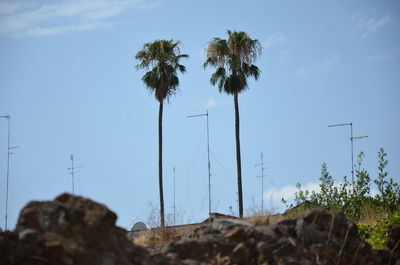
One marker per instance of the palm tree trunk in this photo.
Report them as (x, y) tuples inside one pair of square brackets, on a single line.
[(238, 159), (160, 178)]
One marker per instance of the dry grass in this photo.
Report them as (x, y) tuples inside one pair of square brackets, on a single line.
[(371, 215), (264, 219), (157, 236)]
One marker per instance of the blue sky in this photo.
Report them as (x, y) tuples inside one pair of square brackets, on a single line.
[(68, 80)]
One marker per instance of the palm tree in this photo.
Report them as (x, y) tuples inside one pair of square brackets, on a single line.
[(233, 59), (161, 58)]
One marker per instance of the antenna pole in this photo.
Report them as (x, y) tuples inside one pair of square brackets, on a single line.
[(352, 138), (262, 181), (208, 159), (237, 203), (72, 174), (262, 184), (209, 167), (8, 168), (8, 117), (352, 155), (174, 198)]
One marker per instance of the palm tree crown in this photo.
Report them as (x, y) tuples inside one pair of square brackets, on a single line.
[(163, 57), (233, 59)]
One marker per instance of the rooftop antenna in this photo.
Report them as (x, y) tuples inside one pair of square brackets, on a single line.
[(351, 140), (262, 181), (8, 117), (208, 158), (73, 172)]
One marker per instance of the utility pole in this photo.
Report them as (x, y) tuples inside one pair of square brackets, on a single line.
[(174, 197), (73, 172), (262, 181), (8, 117), (351, 141), (208, 159)]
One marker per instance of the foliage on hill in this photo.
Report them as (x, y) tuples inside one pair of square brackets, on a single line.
[(373, 213)]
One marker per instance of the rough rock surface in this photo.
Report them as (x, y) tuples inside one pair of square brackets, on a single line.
[(69, 230), (393, 243), (75, 230), (321, 237)]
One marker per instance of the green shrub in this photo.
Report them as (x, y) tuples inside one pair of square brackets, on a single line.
[(375, 213), (376, 235), (353, 198)]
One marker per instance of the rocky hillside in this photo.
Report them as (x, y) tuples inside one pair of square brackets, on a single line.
[(76, 230)]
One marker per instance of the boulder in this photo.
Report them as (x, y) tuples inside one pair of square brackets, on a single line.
[(69, 230), (320, 237)]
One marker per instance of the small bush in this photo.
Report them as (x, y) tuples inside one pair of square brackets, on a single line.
[(372, 213), (376, 234)]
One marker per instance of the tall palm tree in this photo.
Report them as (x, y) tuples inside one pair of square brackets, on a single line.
[(233, 59), (162, 59)]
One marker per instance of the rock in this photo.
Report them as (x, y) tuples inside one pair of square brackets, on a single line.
[(237, 234), (393, 242), (336, 224), (28, 234), (225, 224), (200, 250), (69, 230), (321, 237), (394, 238), (55, 250)]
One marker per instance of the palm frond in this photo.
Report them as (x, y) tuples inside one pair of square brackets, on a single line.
[(251, 70), (217, 51), (254, 71), (236, 56), (163, 57), (219, 76), (241, 45), (181, 68)]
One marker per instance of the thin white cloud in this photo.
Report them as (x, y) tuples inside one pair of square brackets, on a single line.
[(35, 18), (9, 7), (369, 23), (57, 30), (148, 5), (274, 40), (316, 67), (283, 57), (211, 103), (383, 57)]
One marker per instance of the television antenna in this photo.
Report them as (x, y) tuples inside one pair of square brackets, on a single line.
[(208, 159), (8, 117), (262, 180), (174, 198), (351, 141), (72, 172)]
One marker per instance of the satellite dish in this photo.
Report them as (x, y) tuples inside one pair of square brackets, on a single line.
[(138, 226)]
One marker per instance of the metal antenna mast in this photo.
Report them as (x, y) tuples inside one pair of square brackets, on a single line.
[(351, 140), (8, 117), (73, 172), (262, 181), (174, 197), (208, 157)]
